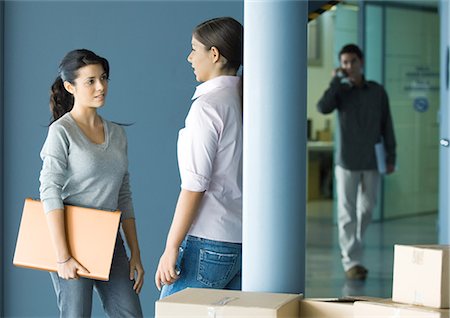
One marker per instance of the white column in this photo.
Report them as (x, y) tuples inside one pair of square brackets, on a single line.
[(274, 170), (444, 153)]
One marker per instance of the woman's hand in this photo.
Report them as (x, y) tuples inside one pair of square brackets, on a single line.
[(136, 267), (185, 213), (69, 269), (166, 273)]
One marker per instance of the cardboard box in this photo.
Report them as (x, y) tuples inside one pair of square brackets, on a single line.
[(214, 303), (389, 309), (330, 307), (421, 275), (326, 308)]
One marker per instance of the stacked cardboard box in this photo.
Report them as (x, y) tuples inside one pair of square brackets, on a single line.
[(213, 303), (210, 303), (389, 309), (326, 307), (421, 289), (421, 275), (420, 286)]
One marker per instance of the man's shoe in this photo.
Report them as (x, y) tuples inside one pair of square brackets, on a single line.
[(357, 272)]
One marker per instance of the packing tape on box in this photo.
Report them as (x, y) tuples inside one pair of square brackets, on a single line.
[(417, 256), (212, 310), (396, 313), (418, 297)]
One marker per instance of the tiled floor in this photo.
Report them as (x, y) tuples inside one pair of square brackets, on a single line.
[(324, 274)]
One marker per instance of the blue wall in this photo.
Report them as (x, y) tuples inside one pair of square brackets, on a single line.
[(147, 43)]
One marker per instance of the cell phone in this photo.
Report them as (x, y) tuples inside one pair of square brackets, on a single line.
[(341, 73), (343, 76)]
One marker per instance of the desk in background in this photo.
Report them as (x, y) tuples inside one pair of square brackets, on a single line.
[(320, 170)]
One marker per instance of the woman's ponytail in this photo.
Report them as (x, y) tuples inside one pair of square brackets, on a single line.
[(61, 101)]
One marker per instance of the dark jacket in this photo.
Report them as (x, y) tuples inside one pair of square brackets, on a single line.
[(364, 119)]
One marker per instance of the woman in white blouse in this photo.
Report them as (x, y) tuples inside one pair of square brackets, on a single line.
[(204, 244)]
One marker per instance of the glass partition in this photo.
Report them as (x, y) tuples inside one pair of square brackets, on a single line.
[(406, 46)]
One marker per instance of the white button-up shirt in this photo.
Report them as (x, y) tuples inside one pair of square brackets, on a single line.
[(210, 158)]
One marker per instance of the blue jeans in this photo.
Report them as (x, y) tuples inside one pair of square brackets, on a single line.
[(74, 296), (207, 264)]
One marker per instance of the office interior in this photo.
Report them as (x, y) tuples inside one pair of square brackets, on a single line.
[(401, 40), (409, 69)]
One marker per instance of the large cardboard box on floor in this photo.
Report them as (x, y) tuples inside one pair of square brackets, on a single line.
[(326, 308), (202, 302), (389, 309), (421, 275), (330, 307)]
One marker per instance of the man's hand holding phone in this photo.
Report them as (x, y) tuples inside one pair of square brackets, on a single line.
[(342, 74)]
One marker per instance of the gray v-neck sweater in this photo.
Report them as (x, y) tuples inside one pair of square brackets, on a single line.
[(76, 171)]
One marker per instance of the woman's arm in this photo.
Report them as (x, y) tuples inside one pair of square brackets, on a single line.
[(185, 212), (54, 155), (66, 264), (129, 228)]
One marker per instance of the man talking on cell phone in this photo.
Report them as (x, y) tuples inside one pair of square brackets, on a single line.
[(364, 121)]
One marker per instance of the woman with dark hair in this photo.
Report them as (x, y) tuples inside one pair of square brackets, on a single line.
[(204, 244), (85, 164)]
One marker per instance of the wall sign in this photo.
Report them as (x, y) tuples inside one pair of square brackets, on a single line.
[(421, 104), (421, 80)]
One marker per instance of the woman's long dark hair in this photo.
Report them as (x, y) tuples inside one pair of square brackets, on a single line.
[(226, 34), (61, 101)]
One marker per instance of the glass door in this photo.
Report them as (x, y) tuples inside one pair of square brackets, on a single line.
[(406, 46)]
